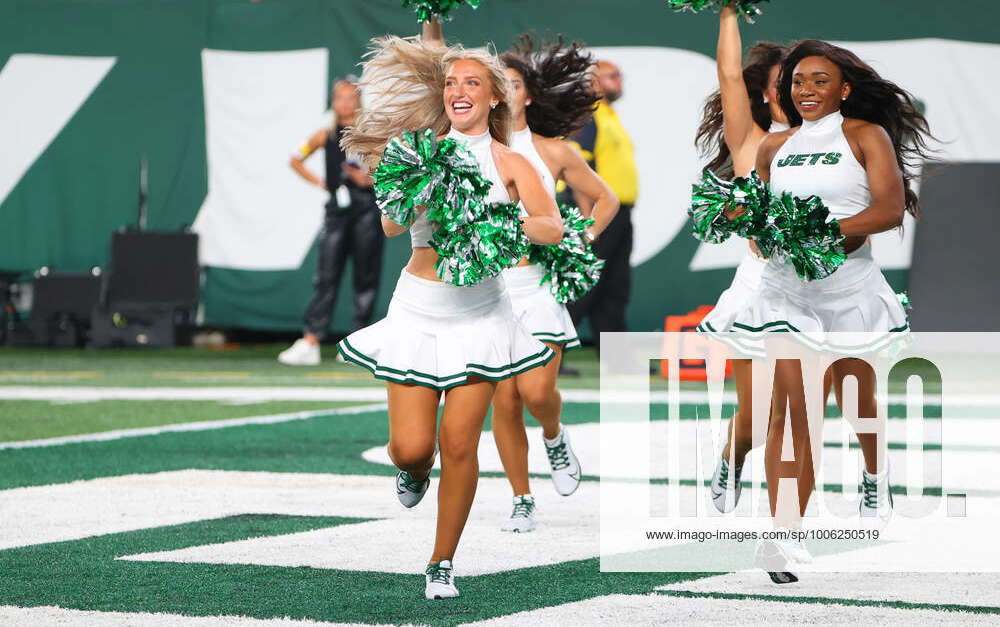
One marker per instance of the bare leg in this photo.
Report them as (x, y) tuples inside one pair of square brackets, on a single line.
[(412, 427), (508, 432), (740, 430), (789, 398), (535, 388), (461, 424), (867, 407)]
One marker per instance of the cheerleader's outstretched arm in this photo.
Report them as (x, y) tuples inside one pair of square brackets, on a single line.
[(432, 32), (738, 125)]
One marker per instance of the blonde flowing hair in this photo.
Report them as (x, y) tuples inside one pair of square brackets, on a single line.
[(403, 89)]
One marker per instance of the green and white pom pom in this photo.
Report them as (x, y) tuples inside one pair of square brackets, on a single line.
[(798, 231), (472, 250), (571, 267), (747, 8), (417, 171), (473, 240), (712, 197), (428, 10), (904, 300)]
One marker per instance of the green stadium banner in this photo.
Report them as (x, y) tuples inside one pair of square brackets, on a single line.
[(218, 93)]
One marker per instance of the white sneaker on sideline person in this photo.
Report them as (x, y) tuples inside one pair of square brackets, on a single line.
[(301, 353), (522, 518), (440, 581), (566, 471)]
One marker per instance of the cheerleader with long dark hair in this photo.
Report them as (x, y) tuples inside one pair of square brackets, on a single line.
[(855, 142), (551, 98)]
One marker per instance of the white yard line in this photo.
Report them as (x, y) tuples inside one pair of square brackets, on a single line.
[(330, 393), (204, 425), (51, 616)]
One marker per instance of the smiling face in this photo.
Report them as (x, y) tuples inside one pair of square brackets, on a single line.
[(818, 87), (518, 98), (468, 95)]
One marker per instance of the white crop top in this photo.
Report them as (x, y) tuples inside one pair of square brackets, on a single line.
[(522, 143), (818, 160), (481, 148)]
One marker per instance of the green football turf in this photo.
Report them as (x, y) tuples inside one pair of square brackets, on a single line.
[(85, 574), (29, 420), (201, 367)]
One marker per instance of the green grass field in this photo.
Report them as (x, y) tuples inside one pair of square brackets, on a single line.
[(225, 506)]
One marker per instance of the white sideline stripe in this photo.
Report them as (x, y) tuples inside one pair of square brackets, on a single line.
[(203, 425), (327, 393), (49, 615)]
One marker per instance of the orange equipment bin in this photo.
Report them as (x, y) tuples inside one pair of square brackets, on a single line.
[(690, 369)]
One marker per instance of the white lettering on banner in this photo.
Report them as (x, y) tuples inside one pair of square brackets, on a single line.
[(258, 214), (39, 94)]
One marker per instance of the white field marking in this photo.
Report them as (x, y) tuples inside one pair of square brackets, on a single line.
[(964, 466), (50, 616), (398, 540), (330, 393), (204, 425), (977, 589), (659, 609)]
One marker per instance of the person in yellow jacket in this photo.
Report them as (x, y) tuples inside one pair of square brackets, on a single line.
[(608, 149)]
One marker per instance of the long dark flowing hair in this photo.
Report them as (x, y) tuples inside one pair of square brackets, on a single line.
[(711, 139), (558, 81), (872, 99)]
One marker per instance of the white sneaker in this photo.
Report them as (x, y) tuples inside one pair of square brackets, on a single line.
[(775, 554), (440, 581), (522, 518), (409, 490), (723, 478), (301, 353), (875, 507), (566, 471)]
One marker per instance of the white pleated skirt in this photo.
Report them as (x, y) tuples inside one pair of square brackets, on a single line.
[(439, 336), (854, 310), (735, 299), (537, 309)]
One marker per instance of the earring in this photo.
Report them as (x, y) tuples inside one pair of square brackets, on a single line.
[(844, 98), (766, 100), (493, 105)]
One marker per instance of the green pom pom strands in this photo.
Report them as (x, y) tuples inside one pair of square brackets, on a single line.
[(417, 170), (473, 240), (712, 197), (791, 229), (904, 300), (571, 267), (428, 10), (747, 8), (472, 250), (797, 231)]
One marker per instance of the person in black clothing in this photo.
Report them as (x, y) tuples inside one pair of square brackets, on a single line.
[(351, 229)]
